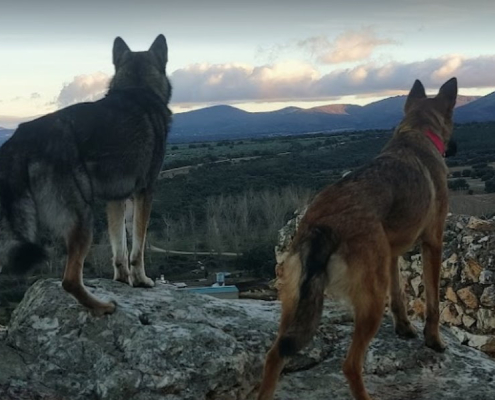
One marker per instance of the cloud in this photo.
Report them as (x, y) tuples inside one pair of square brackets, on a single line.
[(237, 82), (350, 46), (35, 96), (394, 76), (204, 83), (83, 88), (273, 52), (11, 122), (200, 84)]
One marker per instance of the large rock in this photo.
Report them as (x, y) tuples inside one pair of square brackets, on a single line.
[(160, 344), (170, 345)]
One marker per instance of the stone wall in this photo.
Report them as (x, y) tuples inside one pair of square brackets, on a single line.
[(467, 287)]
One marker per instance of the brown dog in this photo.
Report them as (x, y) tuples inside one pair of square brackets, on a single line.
[(353, 232)]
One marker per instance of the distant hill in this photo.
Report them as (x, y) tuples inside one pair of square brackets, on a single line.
[(463, 100), (5, 134), (480, 110), (332, 109), (226, 122), (229, 122)]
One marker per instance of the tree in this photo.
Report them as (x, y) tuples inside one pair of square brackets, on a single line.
[(487, 176), (458, 184), (490, 186), (260, 260)]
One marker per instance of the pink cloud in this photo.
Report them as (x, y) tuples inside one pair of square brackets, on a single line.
[(350, 46), (83, 88)]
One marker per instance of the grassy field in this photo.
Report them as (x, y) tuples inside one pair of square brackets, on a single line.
[(192, 153), (481, 205)]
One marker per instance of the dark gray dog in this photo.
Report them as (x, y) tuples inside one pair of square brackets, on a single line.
[(55, 167)]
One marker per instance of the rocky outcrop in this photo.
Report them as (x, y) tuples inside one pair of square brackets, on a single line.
[(160, 344), (165, 344), (467, 290)]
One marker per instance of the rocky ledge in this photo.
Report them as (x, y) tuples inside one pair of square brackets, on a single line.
[(170, 345)]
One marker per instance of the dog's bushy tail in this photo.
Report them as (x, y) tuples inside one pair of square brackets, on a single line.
[(23, 256), (315, 252), (19, 250)]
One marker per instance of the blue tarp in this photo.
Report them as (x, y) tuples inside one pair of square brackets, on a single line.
[(214, 289)]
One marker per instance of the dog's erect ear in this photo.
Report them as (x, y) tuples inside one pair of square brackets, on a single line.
[(119, 49), (160, 50), (417, 92), (448, 95)]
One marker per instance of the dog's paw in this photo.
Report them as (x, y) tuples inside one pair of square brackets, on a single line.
[(122, 279), (435, 344), (104, 309), (142, 282), (406, 331)]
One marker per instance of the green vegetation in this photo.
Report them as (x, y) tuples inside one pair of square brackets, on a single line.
[(476, 144), (239, 193), (239, 205)]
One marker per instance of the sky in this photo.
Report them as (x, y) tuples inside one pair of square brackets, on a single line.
[(258, 55)]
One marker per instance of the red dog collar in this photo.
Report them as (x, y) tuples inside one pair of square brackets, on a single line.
[(437, 141)]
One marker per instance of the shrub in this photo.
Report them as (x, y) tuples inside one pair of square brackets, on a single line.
[(260, 260)]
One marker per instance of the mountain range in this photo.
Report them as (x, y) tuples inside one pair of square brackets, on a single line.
[(227, 122)]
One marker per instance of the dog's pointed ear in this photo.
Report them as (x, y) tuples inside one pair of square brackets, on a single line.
[(448, 95), (417, 92), (160, 49), (119, 49)]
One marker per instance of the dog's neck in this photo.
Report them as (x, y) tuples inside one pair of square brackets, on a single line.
[(437, 141)]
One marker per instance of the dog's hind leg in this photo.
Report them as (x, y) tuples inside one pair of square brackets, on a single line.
[(367, 317), (403, 326), (288, 275), (142, 210), (432, 261), (274, 364), (78, 240), (118, 240), (367, 291)]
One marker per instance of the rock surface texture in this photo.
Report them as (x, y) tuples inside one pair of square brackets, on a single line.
[(169, 345)]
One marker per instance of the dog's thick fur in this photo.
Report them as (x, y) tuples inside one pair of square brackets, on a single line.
[(54, 168), (353, 232)]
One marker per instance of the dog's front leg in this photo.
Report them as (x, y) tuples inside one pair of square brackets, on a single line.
[(432, 261), (142, 211)]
